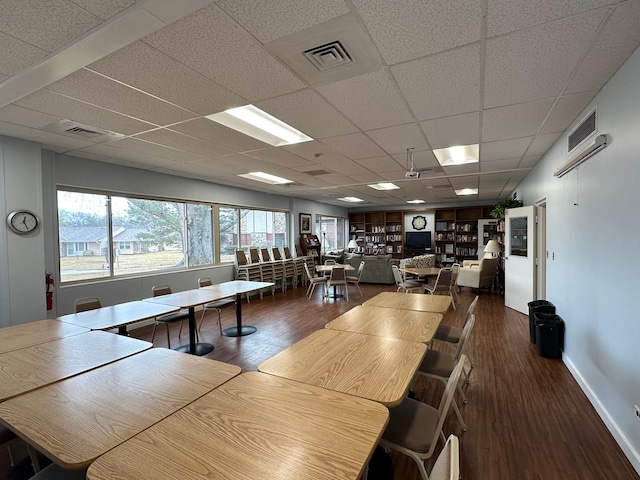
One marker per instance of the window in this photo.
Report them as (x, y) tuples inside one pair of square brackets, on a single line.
[(261, 228), (229, 225), (332, 230)]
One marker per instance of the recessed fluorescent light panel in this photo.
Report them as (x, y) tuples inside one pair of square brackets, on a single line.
[(384, 186), (458, 155), (259, 124), (351, 199), (467, 191), (417, 200), (265, 178)]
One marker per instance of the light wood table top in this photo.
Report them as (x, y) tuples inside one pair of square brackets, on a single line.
[(328, 268), (33, 367), (375, 368), (254, 426), (408, 325), (411, 301), (114, 316), (78, 419), (237, 287), (421, 272), (34, 333)]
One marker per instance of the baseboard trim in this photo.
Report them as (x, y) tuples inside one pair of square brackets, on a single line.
[(631, 453)]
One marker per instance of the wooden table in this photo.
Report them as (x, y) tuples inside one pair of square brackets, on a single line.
[(411, 301), (388, 322), (117, 316), (255, 426), (375, 368), (327, 268), (237, 288), (34, 333), (78, 419), (33, 367)]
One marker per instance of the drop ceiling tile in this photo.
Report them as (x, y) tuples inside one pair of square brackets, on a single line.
[(211, 43), (26, 117), (108, 159), (315, 152), (396, 140), (421, 159), (497, 165), (353, 98), (57, 143), (46, 28), (505, 16), (492, 181), (617, 41), (542, 143), (367, 178), (104, 9), (449, 131), (420, 28), (98, 90), (354, 146), (530, 162), (441, 85), (46, 101), (380, 164), (310, 113), (17, 55), (528, 64), (514, 121), (170, 138), (462, 169), (502, 149), (566, 111), (280, 157), (215, 133), (155, 73), (134, 144), (141, 158), (269, 21), (349, 168)]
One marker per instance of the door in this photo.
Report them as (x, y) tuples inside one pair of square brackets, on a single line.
[(487, 230), (519, 256)]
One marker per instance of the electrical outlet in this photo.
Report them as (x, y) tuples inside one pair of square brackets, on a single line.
[(637, 412)]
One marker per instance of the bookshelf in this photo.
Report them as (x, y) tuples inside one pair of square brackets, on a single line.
[(378, 232), (310, 245)]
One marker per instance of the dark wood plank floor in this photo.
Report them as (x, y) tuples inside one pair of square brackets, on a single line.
[(527, 418)]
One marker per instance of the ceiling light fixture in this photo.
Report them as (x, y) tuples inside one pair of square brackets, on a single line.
[(384, 186), (265, 178), (467, 191), (259, 124), (351, 199), (417, 200), (457, 155)]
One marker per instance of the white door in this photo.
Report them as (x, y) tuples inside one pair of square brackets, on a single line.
[(519, 256), (487, 230)]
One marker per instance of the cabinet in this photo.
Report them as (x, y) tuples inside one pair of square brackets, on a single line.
[(377, 232), (310, 245)]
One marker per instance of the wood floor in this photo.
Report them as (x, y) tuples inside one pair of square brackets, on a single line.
[(527, 418)]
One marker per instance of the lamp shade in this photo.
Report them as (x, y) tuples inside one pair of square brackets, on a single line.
[(493, 247), (352, 244)]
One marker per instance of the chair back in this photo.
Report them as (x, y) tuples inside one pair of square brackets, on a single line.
[(158, 290), (299, 251), (360, 270), (266, 257), (443, 280), (330, 262), (447, 397), (276, 253), (454, 273), (397, 276), (464, 336), (337, 274), (287, 252), (204, 282), (306, 269), (471, 310), (488, 269), (447, 466), (86, 303), (254, 255), (241, 257)]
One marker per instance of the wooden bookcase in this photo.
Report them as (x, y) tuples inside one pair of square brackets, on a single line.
[(310, 245), (378, 232)]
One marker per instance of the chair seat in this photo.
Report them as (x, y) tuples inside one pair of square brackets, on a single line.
[(55, 472), (448, 334), (438, 363), (411, 425), (173, 317), (219, 303)]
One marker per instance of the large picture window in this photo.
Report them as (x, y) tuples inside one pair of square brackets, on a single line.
[(332, 230)]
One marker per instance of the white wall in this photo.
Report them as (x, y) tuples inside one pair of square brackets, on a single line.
[(593, 232)]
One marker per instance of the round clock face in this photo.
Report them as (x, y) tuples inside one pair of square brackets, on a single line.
[(22, 221), (419, 222)]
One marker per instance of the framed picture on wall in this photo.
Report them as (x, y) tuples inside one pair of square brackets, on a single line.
[(305, 223)]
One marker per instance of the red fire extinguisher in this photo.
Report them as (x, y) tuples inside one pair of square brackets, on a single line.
[(49, 289)]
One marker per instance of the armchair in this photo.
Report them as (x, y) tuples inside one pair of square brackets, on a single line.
[(478, 274)]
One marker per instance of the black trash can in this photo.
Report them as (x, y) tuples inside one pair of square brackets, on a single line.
[(549, 334), (542, 306)]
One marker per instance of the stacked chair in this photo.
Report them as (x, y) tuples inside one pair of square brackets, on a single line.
[(246, 270)]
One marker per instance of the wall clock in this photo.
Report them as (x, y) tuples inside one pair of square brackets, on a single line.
[(22, 221), (419, 222)]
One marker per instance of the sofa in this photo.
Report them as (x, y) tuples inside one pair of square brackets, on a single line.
[(419, 261), (377, 268)]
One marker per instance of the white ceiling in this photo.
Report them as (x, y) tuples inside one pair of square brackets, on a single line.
[(508, 74)]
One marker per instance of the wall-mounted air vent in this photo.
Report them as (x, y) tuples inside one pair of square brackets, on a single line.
[(583, 131), (330, 55)]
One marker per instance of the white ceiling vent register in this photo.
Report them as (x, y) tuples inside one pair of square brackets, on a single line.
[(328, 56), (79, 130)]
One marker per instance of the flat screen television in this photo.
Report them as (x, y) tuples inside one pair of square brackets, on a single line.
[(418, 240)]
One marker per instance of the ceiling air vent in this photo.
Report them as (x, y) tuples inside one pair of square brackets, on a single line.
[(83, 132), (583, 131), (315, 173), (330, 55), (78, 130)]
